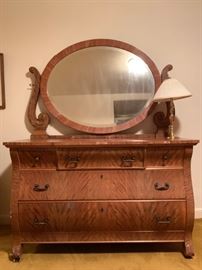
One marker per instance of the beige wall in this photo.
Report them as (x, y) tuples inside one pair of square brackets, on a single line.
[(32, 31)]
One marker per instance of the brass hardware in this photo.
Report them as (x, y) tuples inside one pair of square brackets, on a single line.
[(171, 121), (127, 161), (36, 160), (167, 220), (72, 162), (42, 222), (39, 189), (165, 158), (157, 186)]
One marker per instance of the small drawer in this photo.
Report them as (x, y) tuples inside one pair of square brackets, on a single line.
[(71, 159), (164, 157), (102, 216), (37, 159)]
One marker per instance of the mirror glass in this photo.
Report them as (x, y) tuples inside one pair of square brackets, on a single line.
[(101, 86)]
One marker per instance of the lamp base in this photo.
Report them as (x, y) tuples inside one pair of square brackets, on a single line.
[(170, 132)]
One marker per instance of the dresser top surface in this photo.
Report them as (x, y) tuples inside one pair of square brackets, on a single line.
[(100, 141)]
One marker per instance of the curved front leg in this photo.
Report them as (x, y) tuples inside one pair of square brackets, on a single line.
[(188, 249), (16, 253)]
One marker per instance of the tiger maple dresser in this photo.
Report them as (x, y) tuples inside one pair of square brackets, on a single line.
[(77, 190), (100, 187)]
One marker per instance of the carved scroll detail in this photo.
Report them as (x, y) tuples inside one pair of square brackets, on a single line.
[(161, 120), (164, 72), (40, 124)]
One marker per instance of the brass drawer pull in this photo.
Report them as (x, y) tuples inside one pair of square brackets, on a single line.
[(167, 220), (36, 160), (40, 222), (127, 161), (159, 187), (72, 162), (40, 189), (165, 158)]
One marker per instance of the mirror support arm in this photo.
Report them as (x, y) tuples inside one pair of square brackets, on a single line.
[(41, 122)]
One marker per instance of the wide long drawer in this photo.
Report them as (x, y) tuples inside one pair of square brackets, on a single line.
[(102, 216), (101, 184)]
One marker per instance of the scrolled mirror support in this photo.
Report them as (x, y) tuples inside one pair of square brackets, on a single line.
[(41, 122), (161, 120)]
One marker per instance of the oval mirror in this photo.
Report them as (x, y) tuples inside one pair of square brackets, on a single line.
[(99, 86)]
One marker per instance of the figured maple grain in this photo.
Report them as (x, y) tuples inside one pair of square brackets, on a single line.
[(102, 185), (37, 159), (99, 200), (119, 215), (102, 237), (165, 157), (100, 158), (87, 44)]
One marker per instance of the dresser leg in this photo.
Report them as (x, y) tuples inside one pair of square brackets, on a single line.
[(188, 249), (15, 255)]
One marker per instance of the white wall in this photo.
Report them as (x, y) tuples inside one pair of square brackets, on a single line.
[(32, 31)]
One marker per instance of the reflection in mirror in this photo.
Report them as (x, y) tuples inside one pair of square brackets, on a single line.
[(101, 86)]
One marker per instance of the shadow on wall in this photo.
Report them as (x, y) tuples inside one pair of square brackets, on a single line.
[(5, 184)]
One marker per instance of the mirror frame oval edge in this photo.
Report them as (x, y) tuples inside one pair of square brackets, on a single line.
[(86, 44)]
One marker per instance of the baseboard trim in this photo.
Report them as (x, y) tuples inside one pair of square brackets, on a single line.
[(198, 213)]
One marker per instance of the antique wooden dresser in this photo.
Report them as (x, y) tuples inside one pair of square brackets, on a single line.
[(101, 187)]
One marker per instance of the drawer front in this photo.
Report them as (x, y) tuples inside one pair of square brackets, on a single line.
[(36, 159), (165, 157), (101, 184), (76, 185), (160, 184), (100, 158), (102, 216)]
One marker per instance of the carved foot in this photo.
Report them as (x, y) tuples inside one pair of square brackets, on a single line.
[(188, 249), (13, 257), (16, 253)]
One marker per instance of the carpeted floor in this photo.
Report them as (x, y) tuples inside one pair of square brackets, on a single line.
[(97, 257)]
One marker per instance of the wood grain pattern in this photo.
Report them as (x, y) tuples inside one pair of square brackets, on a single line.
[(37, 159), (41, 122), (102, 216), (102, 237), (86, 44), (102, 158), (99, 200), (165, 157), (102, 185), (99, 141)]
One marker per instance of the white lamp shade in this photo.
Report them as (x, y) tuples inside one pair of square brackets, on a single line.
[(171, 89)]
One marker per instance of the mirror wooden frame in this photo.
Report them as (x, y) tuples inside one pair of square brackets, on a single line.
[(86, 44), (2, 83)]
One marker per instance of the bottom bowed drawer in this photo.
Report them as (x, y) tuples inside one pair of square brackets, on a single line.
[(74, 216)]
